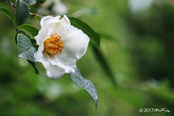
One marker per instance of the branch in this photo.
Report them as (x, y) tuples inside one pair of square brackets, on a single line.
[(34, 14), (12, 7), (14, 13)]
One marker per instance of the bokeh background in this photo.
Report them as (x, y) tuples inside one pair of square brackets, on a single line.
[(137, 40)]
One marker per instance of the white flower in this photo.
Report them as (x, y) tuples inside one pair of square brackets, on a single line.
[(139, 5), (60, 45), (58, 6)]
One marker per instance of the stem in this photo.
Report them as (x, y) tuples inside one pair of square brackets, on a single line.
[(14, 13), (12, 7), (34, 14)]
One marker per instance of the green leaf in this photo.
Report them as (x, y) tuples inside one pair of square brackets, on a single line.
[(85, 84), (33, 64), (25, 48), (8, 13), (30, 2), (22, 12), (29, 28), (40, 1), (95, 37), (109, 37), (103, 62)]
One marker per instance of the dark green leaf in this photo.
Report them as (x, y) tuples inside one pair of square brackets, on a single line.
[(85, 84), (22, 12), (30, 2), (33, 64), (40, 1), (8, 13), (25, 48), (109, 37), (32, 30), (95, 37), (101, 59)]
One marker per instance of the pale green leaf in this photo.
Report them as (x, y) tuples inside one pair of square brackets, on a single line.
[(30, 2), (85, 84), (25, 48)]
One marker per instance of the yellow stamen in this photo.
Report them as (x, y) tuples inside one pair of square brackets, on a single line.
[(53, 45)]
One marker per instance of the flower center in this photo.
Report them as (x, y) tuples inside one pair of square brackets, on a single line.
[(53, 45)]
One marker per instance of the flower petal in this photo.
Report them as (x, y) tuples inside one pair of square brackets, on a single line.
[(63, 61), (47, 23), (75, 40), (75, 45), (53, 71)]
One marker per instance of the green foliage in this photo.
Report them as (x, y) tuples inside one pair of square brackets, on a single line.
[(40, 1), (143, 68), (25, 48), (22, 12), (85, 84), (103, 62), (109, 37), (29, 28), (30, 2), (95, 37), (33, 64), (8, 13)]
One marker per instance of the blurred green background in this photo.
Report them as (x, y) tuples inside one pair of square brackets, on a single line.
[(137, 40)]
